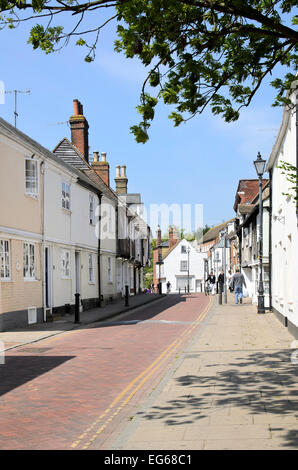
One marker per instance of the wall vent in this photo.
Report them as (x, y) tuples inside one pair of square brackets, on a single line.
[(32, 315)]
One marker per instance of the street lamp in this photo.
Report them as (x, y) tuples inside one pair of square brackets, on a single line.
[(159, 263), (259, 164)]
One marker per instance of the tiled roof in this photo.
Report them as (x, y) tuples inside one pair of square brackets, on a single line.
[(70, 154), (213, 233), (248, 189)]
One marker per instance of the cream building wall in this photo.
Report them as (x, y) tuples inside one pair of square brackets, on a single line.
[(20, 222)]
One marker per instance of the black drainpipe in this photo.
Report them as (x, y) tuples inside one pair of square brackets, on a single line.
[(270, 240), (98, 252)]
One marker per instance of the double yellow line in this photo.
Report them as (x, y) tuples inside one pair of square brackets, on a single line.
[(113, 410)]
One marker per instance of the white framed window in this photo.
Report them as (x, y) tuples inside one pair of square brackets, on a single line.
[(91, 269), (66, 196), (110, 273), (183, 249), (4, 260), (91, 209), (29, 261), (31, 177), (183, 265), (65, 264)]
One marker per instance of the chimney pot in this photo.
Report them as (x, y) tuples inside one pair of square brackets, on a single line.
[(76, 107), (103, 157), (95, 156), (121, 180)]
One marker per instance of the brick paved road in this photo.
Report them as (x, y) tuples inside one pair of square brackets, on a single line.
[(68, 391)]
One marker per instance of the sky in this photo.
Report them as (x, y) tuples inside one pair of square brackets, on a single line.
[(199, 162)]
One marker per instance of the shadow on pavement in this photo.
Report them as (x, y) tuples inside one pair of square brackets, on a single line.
[(148, 311), (18, 370), (269, 388), (65, 321)]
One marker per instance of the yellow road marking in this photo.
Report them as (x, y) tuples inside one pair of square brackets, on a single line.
[(149, 371)]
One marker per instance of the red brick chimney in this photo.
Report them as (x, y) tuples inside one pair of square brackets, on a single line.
[(79, 129), (158, 236), (172, 237), (101, 167)]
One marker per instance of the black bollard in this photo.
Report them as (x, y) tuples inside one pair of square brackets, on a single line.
[(220, 294), (77, 308), (126, 297)]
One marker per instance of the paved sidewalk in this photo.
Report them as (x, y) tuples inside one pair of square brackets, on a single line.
[(234, 387), (40, 331)]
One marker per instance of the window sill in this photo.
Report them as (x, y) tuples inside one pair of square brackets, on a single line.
[(32, 196), (28, 279), (5, 280), (68, 211), (64, 278)]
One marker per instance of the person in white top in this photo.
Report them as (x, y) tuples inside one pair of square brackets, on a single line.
[(229, 278)]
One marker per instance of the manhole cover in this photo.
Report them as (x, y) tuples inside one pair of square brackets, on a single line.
[(36, 350)]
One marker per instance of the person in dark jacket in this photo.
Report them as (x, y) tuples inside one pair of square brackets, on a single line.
[(221, 280), (212, 281)]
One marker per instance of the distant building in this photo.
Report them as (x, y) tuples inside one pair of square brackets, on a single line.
[(182, 264), (212, 246)]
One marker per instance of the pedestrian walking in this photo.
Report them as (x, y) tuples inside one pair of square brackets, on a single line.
[(212, 281), (229, 281), (238, 283), (168, 287), (221, 280)]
